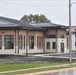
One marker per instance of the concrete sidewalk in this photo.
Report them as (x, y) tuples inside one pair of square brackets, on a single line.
[(5, 72), (50, 71)]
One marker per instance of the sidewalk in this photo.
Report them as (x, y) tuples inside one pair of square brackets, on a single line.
[(4, 72), (50, 71)]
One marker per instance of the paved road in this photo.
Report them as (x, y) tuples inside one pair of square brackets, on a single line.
[(64, 55)]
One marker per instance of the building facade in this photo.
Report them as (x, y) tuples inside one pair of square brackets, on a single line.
[(18, 36), (73, 30)]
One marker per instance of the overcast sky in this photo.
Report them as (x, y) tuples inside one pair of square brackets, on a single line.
[(55, 10)]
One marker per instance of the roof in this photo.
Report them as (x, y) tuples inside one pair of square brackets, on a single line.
[(48, 25), (9, 23)]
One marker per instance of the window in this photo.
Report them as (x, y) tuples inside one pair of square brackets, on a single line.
[(39, 42), (0, 42), (54, 45), (31, 42), (62, 36), (9, 42), (48, 45), (51, 36), (20, 42)]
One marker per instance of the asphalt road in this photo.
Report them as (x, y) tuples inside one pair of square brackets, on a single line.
[(73, 54), (63, 54)]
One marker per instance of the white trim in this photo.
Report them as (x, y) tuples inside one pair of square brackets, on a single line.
[(2, 47)]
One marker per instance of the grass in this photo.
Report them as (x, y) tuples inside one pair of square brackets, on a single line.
[(8, 67)]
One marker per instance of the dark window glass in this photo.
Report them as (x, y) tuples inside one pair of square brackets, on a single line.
[(31, 42), (9, 42), (0, 42), (48, 45), (75, 43), (62, 36), (54, 45), (51, 36), (20, 42)]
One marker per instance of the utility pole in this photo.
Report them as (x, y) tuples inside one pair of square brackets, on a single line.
[(70, 40)]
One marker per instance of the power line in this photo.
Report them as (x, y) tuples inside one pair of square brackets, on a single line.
[(32, 5)]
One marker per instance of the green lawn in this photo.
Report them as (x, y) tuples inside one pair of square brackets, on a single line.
[(8, 67)]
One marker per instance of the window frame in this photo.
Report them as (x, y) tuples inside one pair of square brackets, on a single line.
[(31, 42), (53, 45), (9, 40), (48, 45)]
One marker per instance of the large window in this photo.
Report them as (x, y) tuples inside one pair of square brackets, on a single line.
[(48, 45), (9, 42), (0, 42), (31, 42), (39, 42), (54, 45), (20, 42)]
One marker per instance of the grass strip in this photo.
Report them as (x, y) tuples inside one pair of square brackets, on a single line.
[(33, 65), (39, 70)]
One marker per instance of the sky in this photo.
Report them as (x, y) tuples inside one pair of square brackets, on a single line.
[(55, 10)]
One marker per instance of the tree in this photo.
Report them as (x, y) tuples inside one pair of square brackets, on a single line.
[(36, 18)]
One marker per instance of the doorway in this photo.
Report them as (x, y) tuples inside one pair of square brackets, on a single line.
[(62, 47)]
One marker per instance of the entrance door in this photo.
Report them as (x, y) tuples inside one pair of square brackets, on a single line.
[(62, 47)]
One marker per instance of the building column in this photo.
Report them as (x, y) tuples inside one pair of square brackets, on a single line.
[(27, 43), (17, 41), (44, 42), (3, 42), (56, 40)]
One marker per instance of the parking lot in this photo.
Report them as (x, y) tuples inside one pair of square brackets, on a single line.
[(61, 55), (47, 57)]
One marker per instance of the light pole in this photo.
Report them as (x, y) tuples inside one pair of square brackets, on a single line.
[(70, 40)]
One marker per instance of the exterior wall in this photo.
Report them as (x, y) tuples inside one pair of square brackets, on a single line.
[(23, 33), (3, 33), (56, 32), (61, 32), (58, 45), (58, 40), (16, 34), (73, 42), (35, 34), (49, 40), (26, 34), (50, 32), (73, 28), (67, 45)]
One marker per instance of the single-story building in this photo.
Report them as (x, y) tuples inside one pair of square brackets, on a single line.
[(17, 36)]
